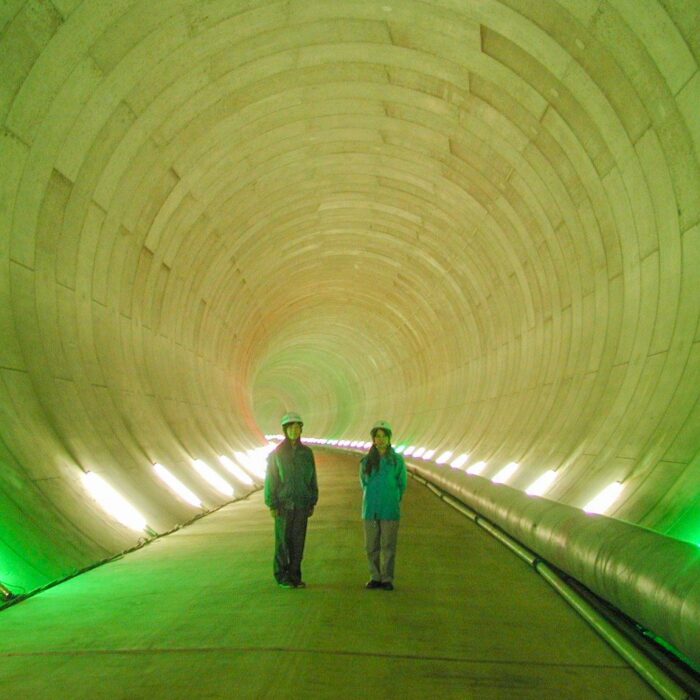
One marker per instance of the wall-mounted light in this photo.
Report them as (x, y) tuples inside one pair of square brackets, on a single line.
[(409, 450), (476, 468), (253, 462), (542, 484), (176, 485), (209, 475), (460, 461), (444, 457), (602, 502), (504, 474), (236, 471), (114, 503), (428, 454)]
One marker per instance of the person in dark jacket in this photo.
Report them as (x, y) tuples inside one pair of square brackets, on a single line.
[(383, 480), (291, 493)]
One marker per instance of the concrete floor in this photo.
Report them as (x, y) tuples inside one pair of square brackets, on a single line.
[(197, 615)]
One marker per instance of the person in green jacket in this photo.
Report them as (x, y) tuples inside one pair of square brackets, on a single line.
[(383, 479), (291, 493)]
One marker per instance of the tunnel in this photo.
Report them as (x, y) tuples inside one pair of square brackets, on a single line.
[(479, 220)]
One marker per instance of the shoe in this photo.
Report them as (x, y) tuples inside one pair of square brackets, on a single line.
[(285, 584), (373, 584), (387, 585), (299, 584)]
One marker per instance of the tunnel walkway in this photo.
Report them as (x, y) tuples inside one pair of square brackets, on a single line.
[(196, 614)]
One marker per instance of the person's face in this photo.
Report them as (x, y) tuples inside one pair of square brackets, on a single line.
[(381, 440), (294, 431)]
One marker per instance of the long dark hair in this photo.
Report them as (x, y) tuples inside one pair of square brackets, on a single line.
[(373, 456)]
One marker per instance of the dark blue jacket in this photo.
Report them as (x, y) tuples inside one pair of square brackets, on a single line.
[(290, 480)]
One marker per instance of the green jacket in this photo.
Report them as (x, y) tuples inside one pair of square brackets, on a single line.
[(290, 480), (383, 488)]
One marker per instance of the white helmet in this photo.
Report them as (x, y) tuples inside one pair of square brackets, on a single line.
[(291, 417), (381, 425)]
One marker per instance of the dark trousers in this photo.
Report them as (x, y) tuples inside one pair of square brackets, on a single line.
[(290, 535)]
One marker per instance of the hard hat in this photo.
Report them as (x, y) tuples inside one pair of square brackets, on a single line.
[(383, 425), (291, 417)]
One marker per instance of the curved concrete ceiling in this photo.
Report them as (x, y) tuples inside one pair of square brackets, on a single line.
[(479, 220)]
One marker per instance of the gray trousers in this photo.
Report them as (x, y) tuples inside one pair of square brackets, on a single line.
[(380, 543)]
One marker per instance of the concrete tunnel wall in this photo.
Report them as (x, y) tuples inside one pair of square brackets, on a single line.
[(480, 221)]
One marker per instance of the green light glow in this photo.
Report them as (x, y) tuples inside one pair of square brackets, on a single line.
[(687, 526)]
